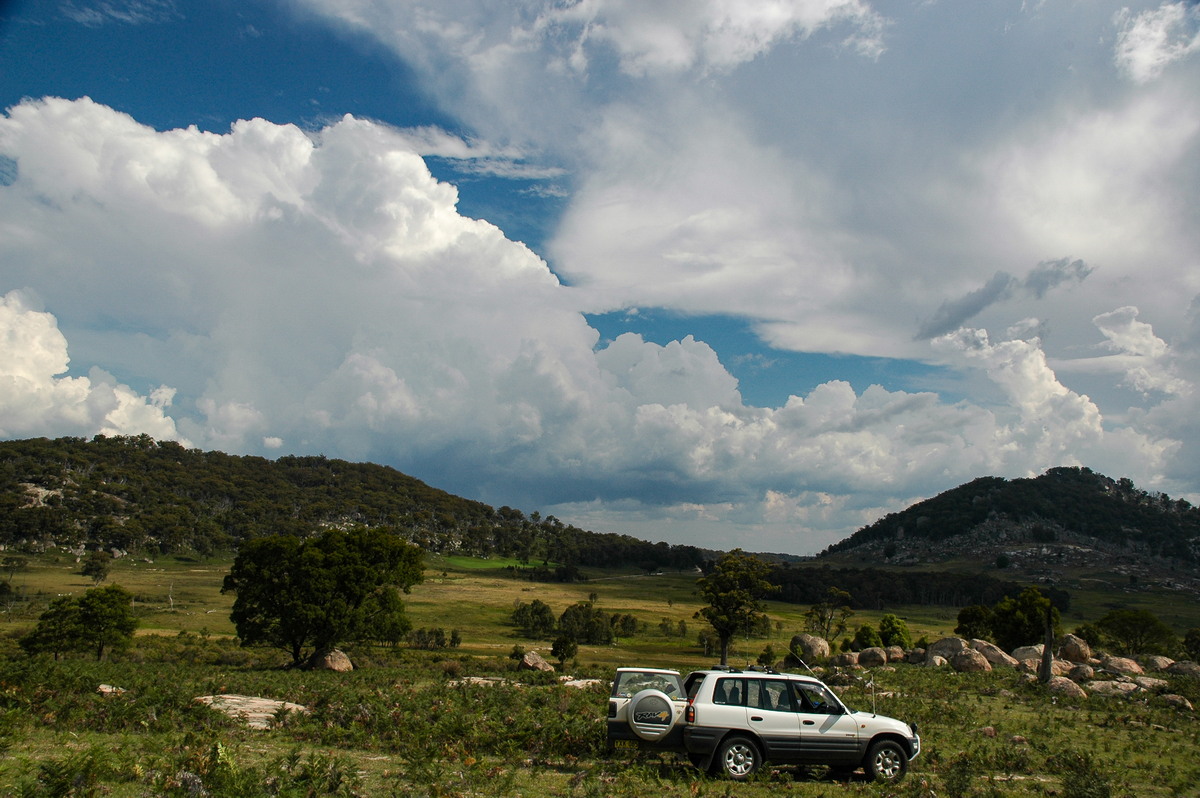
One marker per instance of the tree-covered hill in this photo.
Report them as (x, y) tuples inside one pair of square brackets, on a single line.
[(138, 494), (1065, 505)]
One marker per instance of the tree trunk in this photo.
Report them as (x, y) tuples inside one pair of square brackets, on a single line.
[(1047, 668)]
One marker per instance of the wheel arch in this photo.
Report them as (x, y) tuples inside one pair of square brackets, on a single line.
[(899, 739)]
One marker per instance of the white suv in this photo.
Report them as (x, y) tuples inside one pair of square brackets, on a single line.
[(729, 721)]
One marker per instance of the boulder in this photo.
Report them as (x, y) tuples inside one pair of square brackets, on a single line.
[(332, 660), (1060, 667), (1074, 649), (255, 712), (1029, 666), (1028, 652), (810, 647), (1112, 688), (946, 648), (1122, 665), (936, 662), (1177, 701), (895, 654), (1061, 685), (872, 657), (533, 661), (847, 659), (1082, 673), (994, 654), (970, 661), (1156, 663), (915, 657), (1151, 684), (1185, 668)]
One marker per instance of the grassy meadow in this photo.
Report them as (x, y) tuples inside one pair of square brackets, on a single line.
[(405, 723)]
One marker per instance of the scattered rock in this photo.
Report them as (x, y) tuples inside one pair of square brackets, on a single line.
[(988, 731), (936, 662), (1177, 701), (1122, 665), (533, 661), (946, 648), (1017, 739), (810, 647), (257, 713), (1082, 673), (1113, 688), (332, 660), (1061, 685), (970, 661), (1028, 652), (847, 659), (1156, 663), (1150, 683), (916, 656), (994, 654), (872, 657), (108, 689), (567, 681), (895, 654), (1185, 668), (1074, 649)]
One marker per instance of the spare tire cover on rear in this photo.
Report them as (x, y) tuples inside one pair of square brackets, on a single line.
[(651, 714)]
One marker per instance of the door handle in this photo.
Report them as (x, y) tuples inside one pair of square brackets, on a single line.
[(755, 717), (810, 723)]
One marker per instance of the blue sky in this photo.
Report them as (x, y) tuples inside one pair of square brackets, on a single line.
[(743, 273)]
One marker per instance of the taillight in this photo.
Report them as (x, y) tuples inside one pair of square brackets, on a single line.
[(689, 714), (612, 709)]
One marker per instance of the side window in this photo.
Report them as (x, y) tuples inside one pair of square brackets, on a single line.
[(769, 694), (777, 696), (729, 691), (817, 699)]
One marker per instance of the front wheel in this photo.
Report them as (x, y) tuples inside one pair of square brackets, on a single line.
[(737, 758), (886, 761)]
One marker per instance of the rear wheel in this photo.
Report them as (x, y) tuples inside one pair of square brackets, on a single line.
[(886, 761), (737, 758)]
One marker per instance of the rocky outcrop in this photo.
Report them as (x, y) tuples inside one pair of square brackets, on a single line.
[(872, 657), (970, 661), (1061, 685), (1156, 663), (1185, 668), (810, 647), (255, 712), (1074, 649), (1114, 688), (332, 660), (946, 648), (1122, 665), (994, 654), (533, 661), (1028, 652)]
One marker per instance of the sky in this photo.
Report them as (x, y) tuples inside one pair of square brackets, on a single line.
[(729, 273)]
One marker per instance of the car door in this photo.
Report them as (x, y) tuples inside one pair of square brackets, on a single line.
[(770, 713), (828, 734)]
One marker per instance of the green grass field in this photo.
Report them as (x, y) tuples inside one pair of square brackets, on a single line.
[(400, 725)]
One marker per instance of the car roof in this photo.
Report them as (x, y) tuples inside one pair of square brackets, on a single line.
[(648, 670), (756, 673)]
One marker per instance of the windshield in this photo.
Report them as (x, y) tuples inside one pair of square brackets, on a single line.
[(629, 683)]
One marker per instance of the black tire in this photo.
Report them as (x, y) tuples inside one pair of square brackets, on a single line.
[(886, 761), (738, 758), (698, 760)]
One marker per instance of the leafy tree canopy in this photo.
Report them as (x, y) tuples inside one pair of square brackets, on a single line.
[(309, 595), (101, 620), (1137, 632), (734, 591)]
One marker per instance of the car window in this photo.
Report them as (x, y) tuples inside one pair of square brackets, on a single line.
[(629, 683), (770, 694), (817, 698), (730, 691)]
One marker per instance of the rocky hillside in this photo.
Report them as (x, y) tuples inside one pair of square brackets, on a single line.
[(1065, 516), (138, 494)]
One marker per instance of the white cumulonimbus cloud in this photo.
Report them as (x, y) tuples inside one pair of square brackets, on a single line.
[(319, 291)]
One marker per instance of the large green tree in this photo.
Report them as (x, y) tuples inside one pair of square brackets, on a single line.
[(1137, 632), (1022, 621), (734, 590), (100, 620), (306, 595)]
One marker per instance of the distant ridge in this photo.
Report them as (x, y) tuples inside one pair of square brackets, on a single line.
[(138, 494), (1064, 505)]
